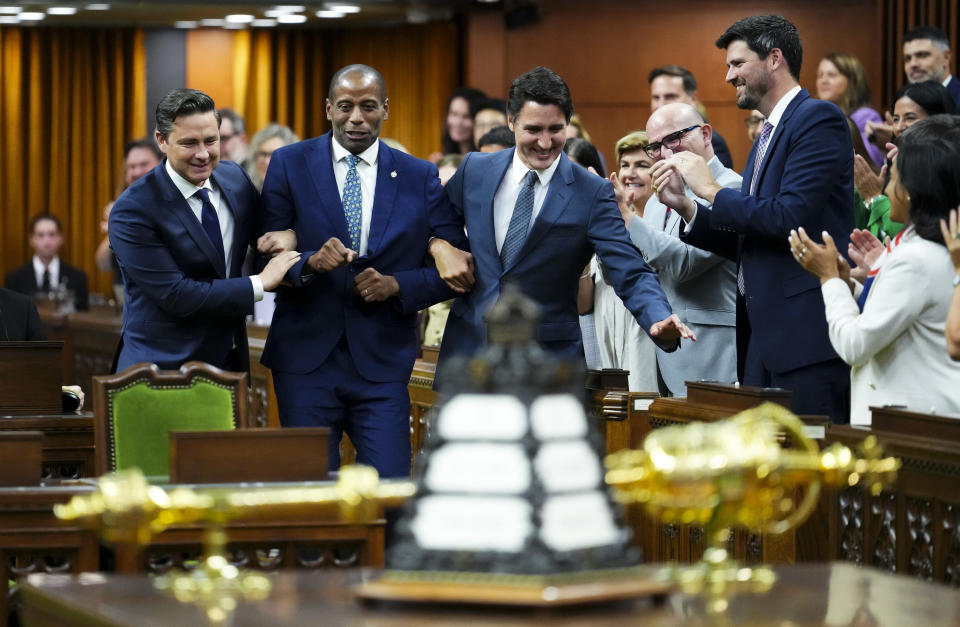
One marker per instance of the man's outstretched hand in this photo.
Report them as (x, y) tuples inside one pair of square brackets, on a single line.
[(669, 331)]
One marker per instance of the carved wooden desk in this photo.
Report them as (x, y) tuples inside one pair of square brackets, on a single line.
[(67, 442), (32, 539), (838, 594)]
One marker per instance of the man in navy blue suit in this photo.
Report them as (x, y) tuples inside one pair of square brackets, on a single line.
[(180, 234), (534, 219), (344, 336), (799, 174)]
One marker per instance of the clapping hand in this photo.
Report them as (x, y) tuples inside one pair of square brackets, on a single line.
[(951, 237), (821, 260), (864, 250)]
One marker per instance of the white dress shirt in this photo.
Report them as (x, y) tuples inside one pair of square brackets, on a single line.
[(506, 198), (367, 171), (224, 216), (54, 269)]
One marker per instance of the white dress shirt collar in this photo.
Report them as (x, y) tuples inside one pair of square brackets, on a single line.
[(781, 106), (54, 269), (186, 188), (518, 170), (368, 156)]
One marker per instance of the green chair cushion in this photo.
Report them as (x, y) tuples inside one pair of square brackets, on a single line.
[(143, 418)]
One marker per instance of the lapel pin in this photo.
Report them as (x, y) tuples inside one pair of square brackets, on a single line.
[(393, 174)]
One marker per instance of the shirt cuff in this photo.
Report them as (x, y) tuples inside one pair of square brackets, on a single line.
[(257, 288), (689, 226)]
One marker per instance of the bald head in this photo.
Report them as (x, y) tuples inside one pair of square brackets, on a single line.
[(678, 116)]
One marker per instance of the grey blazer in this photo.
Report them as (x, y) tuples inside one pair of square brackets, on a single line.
[(701, 288)]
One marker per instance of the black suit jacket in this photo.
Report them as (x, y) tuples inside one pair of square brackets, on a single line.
[(19, 320), (24, 280)]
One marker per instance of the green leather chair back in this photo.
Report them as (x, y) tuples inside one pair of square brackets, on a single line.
[(143, 418), (135, 411)]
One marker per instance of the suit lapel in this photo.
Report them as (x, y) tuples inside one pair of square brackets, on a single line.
[(483, 231), (177, 205), (320, 166), (778, 132), (383, 197), (554, 204)]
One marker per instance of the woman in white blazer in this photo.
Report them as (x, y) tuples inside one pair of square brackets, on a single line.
[(896, 346)]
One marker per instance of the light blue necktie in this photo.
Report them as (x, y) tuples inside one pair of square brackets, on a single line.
[(519, 221), (352, 202)]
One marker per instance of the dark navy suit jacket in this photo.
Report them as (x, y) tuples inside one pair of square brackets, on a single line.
[(805, 179), (954, 88), (409, 207), (579, 216), (179, 305)]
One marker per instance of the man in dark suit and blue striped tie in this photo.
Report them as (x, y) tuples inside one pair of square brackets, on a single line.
[(344, 336)]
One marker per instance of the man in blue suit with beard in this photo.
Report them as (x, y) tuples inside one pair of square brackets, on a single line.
[(534, 219), (799, 174), (344, 336), (180, 234)]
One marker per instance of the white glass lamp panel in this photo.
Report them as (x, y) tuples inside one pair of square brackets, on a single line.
[(462, 523), (478, 468), (567, 466), (555, 416), (483, 417), (577, 521)]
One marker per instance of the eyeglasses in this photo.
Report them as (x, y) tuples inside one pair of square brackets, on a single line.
[(671, 141), (754, 120)]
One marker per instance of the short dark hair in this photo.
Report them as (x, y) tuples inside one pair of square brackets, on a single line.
[(45, 216), (542, 86), (358, 68), (932, 33), (145, 142), (763, 33), (500, 135), (928, 162), (496, 104), (931, 96), (689, 82), (584, 153), (239, 126), (180, 102)]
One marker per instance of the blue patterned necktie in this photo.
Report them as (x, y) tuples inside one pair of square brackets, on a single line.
[(519, 221), (762, 142), (210, 222), (352, 202)]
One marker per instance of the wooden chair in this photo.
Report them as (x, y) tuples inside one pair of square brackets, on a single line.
[(135, 411)]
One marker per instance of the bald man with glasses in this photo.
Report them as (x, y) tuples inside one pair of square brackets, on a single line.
[(700, 285)]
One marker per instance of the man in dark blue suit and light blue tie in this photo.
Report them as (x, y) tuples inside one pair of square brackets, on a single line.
[(534, 219), (344, 336), (180, 234), (799, 174)]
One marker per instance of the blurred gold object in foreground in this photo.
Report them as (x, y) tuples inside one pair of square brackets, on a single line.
[(128, 510), (735, 473)]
